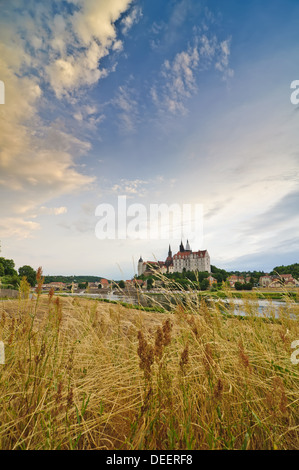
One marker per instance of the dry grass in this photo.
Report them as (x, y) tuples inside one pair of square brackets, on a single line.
[(80, 374)]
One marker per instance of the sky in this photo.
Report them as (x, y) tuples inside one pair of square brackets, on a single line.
[(183, 102)]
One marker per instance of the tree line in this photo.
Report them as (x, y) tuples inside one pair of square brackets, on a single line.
[(11, 278)]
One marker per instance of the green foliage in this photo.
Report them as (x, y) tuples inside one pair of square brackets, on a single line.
[(8, 266), (70, 279), (10, 282), (29, 273), (246, 286), (82, 285), (219, 274), (204, 285), (291, 269)]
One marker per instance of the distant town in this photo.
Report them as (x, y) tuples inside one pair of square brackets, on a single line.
[(189, 269)]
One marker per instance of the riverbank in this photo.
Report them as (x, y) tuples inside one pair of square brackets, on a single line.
[(168, 300)]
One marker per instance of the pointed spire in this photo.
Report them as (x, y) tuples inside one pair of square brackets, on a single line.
[(188, 246), (182, 249), (169, 252)]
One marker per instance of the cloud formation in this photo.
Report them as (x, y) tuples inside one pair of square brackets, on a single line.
[(62, 51), (179, 76)]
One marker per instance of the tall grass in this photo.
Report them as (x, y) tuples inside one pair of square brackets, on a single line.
[(80, 374)]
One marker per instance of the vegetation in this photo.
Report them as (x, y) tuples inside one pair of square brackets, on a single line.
[(245, 286), (10, 278), (69, 279), (84, 374), (8, 274), (291, 269), (29, 273)]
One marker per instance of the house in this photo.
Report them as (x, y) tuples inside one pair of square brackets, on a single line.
[(56, 285), (277, 280), (233, 279), (93, 285), (265, 280), (104, 283), (212, 280)]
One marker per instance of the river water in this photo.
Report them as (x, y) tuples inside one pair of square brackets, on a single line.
[(262, 307)]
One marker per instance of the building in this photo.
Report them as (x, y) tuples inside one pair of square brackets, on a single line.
[(212, 280), (104, 283), (188, 260), (265, 281), (280, 280), (184, 260), (233, 279)]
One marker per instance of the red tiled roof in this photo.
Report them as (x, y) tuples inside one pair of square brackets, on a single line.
[(186, 254)]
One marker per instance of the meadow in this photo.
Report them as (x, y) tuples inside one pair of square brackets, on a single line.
[(83, 374)]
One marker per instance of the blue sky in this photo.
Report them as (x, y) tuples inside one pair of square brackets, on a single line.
[(178, 101)]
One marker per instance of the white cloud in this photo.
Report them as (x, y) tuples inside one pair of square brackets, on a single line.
[(178, 81), (38, 160), (222, 63), (127, 108), (91, 34), (132, 18), (53, 210), (130, 188), (12, 227)]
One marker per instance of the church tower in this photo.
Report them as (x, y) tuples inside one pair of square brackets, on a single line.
[(182, 249), (188, 246), (140, 266), (169, 259)]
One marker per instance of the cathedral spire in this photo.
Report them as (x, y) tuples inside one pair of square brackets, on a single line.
[(169, 252)]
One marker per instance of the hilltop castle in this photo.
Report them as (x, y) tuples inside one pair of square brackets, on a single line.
[(184, 260)]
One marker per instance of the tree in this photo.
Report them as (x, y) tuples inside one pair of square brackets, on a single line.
[(12, 281), (121, 284), (9, 266), (204, 284), (29, 273), (82, 285), (238, 285)]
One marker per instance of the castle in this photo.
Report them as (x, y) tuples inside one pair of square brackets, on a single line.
[(184, 260)]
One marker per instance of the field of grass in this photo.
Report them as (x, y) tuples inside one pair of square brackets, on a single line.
[(83, 374)]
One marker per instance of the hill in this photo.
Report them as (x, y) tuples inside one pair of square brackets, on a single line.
[(291, 269), (70, 279)]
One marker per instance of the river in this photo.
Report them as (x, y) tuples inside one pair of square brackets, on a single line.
[(243, 307)]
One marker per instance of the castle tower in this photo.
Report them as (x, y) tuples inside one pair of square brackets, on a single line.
[(140, 266), (169, 259), (188, 246), (182, 249)]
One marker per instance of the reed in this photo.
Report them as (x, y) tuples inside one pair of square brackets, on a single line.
[(82, 374)]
